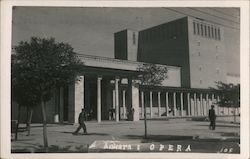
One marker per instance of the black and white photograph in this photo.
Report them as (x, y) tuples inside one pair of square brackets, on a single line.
[(123, 79)]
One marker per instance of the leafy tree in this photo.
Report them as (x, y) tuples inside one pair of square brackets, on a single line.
[(38, 67), (230, 95), (151, 75)]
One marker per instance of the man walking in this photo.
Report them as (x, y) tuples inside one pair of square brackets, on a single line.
[(212, 118), (82, 125)]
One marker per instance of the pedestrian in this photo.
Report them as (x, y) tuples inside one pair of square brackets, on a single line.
[(82, 125), (212, 117)]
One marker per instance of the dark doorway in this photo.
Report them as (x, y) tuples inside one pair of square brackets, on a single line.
[(65, 103), (91, 97)]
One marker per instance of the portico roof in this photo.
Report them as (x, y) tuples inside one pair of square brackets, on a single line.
[(101, 71)]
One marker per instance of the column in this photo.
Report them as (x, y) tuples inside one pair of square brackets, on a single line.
[(181, 96), (215, 107), (217, 100), (174, 98), (195, 105), (201, 105), (113, 106), (207, 104), (117, 99), (188, 99), (142, 104), (167, 108), (76, 100), (133, 102), (99, 100), (151, 103), (124, 103), (159, 104)]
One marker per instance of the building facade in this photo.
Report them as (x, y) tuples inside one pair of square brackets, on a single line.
[(191, 49)]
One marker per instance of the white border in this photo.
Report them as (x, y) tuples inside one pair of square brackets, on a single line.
[(6, 14)]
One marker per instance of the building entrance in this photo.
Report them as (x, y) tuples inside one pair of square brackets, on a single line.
[(91, 98)]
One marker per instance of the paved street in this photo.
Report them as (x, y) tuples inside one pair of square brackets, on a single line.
[(172, 132)]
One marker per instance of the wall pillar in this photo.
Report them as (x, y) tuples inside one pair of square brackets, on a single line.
[(181, 96), (159, 104), (151, 103), (167, 108), (174, 98), (99, 99)]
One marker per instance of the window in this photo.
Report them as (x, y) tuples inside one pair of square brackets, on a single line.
[(200, 81), (217, 70), (205, 30), (201, 30), (215, 33), (134, 39), (198, 29), (199, 54), (200, 68), (209, 35), (194, 27), (199, 43), (218, 33), (212, 31)]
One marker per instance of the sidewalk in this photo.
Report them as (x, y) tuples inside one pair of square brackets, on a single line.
[(159, 131)]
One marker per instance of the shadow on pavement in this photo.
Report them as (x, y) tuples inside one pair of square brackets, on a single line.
[(158, 138), (223, 126), (53, 149), (82, 134), (229, 134)]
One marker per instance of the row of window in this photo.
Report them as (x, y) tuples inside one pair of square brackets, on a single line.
[(162, 32), (206, 30)]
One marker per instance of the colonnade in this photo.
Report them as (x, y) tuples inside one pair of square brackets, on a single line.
[(159, 103), (129, 101), (189, 104)]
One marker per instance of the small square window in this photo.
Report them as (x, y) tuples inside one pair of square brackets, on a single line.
[(217, 70), (134, 38), (194, 27), (199, 43)]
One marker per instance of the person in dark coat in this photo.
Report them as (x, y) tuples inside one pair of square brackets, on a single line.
[(212, 117), (82, 125)]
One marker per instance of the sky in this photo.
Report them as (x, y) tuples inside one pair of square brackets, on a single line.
[(91, 30)]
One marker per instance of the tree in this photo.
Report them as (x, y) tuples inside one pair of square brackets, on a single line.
[(230, 95), (41, 65), (25, 96), (151, 75)]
